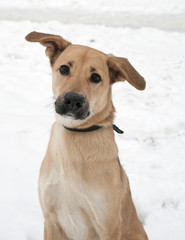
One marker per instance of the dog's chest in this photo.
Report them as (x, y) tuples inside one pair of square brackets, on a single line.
[(73, 205)]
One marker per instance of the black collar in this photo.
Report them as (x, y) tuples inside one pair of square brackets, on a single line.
[(93, 128), (90, 129)]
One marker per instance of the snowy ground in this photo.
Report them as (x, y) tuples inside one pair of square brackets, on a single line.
[(145, 6), (151, 150), (161, 14)]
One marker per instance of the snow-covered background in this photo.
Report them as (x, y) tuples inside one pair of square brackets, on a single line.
[(151, 34)]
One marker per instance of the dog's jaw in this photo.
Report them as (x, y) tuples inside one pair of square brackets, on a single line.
[(69, 121), (103, 117)]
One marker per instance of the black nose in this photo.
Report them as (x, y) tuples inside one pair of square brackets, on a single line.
[(73, 101)]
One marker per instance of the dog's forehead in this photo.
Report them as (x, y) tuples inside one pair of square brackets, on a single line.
[(79, 54)]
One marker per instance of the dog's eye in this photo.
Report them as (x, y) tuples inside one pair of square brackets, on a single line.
[(64, 70), (95, 78)]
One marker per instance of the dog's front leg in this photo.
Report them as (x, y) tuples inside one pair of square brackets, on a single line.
[(53, 232), (116, 235), (112, 231)]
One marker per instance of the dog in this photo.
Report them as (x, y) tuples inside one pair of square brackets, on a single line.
[(83, 190)]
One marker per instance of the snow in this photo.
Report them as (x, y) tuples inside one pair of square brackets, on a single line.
[(165, 14), (152, 148), (164, 6)]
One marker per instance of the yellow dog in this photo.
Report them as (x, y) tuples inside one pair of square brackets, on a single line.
[(84, 191)]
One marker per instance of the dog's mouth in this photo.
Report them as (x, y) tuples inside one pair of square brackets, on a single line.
[(77, 115), (72, 105)]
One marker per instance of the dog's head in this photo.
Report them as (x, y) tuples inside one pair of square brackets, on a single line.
[(82, 80)]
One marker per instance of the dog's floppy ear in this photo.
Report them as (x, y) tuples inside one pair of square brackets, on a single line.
[(54, 44), (120, 70)]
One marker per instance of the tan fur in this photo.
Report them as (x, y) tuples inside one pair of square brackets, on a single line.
[(84, 191)]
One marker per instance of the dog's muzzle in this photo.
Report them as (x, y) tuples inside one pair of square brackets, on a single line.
[(73, 105)]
